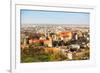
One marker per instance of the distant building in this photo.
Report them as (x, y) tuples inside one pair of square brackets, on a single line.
[(65, 35), (70, 56), (49, 42), (75, 36)]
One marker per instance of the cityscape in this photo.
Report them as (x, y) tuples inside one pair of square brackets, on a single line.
[(53, 42)]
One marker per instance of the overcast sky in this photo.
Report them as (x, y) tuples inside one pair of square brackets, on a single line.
[(49, 17)]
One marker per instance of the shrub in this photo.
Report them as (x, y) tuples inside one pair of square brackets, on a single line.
[(38, 54)]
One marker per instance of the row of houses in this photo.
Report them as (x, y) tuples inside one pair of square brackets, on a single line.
[(48, 39)]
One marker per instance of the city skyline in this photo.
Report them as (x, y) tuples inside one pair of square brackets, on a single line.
[(51, 17)]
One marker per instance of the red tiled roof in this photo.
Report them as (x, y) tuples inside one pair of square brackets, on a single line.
[(65, 34)]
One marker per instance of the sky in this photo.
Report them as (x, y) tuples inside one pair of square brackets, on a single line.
[(51, 17)]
